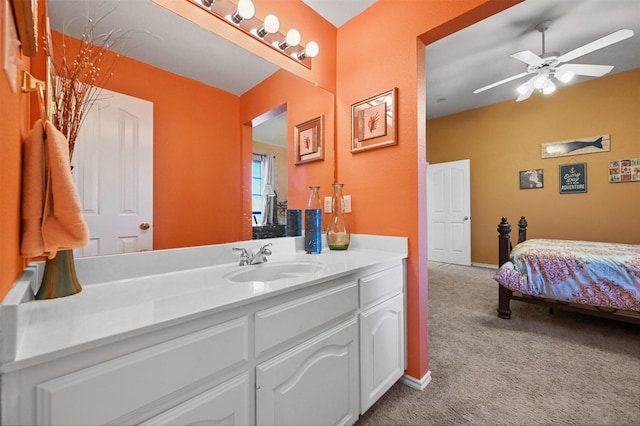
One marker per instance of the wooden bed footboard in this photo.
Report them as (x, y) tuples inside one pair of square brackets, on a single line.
[(504, 251), (505, 295)]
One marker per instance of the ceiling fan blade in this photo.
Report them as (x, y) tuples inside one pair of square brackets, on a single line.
[(597, 44), (584, 69), (528, 57), (498, 83)]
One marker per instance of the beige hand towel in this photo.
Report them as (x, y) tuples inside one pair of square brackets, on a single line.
[(51, 210), (62, 224), (33, 185)]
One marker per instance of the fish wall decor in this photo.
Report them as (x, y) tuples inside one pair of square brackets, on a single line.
[(587, 145)]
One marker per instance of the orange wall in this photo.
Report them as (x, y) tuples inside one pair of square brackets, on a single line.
[(15, 123), (378, 50), (505, 138)]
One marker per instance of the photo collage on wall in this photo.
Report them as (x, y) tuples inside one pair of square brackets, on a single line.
[(624, 170)]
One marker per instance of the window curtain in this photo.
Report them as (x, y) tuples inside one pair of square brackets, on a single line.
[(269, 199)]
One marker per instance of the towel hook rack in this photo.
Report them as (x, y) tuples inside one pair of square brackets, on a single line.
[(32, 84)]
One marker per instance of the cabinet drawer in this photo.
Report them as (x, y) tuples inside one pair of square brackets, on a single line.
[(107, 391), (280, 323), (225, 404), (377, 287)]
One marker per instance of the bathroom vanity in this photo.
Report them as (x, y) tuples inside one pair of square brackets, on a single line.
[(187, 336)]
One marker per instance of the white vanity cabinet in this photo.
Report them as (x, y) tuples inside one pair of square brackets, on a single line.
[(382, 333), (288, 352)]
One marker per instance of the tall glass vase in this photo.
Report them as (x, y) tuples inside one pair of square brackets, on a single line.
[(313, 222), (338, 236), (59, 278)]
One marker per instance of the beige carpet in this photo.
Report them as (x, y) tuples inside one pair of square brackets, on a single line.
[(535, 369)]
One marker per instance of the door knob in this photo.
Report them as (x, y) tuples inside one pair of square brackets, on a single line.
[(465, 218), (144, 226)]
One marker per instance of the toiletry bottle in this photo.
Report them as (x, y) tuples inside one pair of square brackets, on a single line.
[(313, 223)]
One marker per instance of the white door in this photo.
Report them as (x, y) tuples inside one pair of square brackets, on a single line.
[(449, 212), (113, 171)]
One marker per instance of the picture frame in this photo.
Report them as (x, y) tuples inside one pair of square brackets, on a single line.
[(573, 178), (26, 14), (627, 170), (531, 179), (374, 122), (309, 140)]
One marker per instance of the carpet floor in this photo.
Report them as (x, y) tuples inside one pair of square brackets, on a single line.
[(537, 368)]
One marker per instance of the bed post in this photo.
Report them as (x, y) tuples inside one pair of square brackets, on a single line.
[(522, 229), (504, 250)]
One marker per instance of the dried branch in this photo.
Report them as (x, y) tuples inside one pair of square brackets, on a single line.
[(79, 76)]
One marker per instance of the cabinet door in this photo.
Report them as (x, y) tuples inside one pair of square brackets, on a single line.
[(315, 383), (382, 349), (225, 404)]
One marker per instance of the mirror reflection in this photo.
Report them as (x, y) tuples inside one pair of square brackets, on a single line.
[(204, 93)]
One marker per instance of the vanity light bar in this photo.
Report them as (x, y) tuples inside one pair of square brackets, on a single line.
[(242, 15)]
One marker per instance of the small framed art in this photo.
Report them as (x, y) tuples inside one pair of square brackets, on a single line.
[(374, 122), (531, 179), (309, 141)]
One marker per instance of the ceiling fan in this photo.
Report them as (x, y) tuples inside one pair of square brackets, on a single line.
[(549, 64)]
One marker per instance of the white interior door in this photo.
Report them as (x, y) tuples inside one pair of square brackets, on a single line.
[(113, 171), (449, 212)]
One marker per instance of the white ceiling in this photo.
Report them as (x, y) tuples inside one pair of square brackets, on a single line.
[(456, 65), (480, 54)]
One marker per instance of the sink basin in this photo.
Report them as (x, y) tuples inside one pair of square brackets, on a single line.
[(271, 271)]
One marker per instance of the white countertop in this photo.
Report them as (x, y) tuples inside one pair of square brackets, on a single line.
[(126, 293)]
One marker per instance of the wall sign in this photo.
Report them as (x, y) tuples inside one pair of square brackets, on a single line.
[(624, 170), (586, 145), (573, 178)]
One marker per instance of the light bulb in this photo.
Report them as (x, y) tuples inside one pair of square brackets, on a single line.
[(564, 76), (293, 37), (271, 26), (549, 87), (539, 81), (312, 49), (246, 10)]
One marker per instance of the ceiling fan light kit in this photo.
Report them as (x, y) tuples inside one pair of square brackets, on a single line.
[(553, 64)]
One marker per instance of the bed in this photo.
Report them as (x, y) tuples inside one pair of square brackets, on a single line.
[(601, 279)]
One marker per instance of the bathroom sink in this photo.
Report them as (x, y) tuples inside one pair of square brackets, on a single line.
[(271, 271)]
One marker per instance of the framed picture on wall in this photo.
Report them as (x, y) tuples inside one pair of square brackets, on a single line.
[(374, 122), (573, 178), (531, 179), (308, 138)]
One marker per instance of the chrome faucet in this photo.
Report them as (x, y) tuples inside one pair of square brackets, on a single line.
[(248, 258)]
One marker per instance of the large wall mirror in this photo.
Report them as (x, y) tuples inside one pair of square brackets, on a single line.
[(204, 93)]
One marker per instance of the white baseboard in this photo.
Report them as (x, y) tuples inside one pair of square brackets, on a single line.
[(484, 265), (415, 383)]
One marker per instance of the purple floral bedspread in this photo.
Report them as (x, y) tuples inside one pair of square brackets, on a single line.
[(592, 273)]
